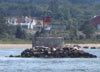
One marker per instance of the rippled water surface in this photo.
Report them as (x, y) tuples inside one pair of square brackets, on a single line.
[(47, 65)]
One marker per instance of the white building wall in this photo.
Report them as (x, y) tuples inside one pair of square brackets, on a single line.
[(98, 27), (34, 22), (12, 21)]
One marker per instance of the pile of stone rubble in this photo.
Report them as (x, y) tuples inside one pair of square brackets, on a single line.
[(47, 52)]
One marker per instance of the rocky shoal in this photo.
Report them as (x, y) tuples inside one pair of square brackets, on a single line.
[(47, 52)]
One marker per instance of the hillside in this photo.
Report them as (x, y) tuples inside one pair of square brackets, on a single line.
[(37, 7), (84, 1), (75, 14), (47, 1), (60, 11)]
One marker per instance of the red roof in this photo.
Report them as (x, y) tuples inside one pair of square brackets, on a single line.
[(47, 20), (96, 20)]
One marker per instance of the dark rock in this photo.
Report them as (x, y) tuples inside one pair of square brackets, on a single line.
[(46, 52), (93, 47), (86, 47), (11, 56), (14, 56), (27, 53)]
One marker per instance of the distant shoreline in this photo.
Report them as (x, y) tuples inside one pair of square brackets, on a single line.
[(8, 46), (24, 46), (87, 45)]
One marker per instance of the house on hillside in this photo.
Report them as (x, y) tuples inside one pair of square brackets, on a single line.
[(31, 23), (28, 23), (25, 22), (96, 21)]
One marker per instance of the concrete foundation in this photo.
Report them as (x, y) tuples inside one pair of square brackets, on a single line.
[(48, 41)]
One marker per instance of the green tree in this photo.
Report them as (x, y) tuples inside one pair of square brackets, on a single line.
[(3, 26), (20, 33), (88, 29)]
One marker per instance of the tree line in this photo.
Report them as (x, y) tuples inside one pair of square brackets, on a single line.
[(8, 31), (74, 13)]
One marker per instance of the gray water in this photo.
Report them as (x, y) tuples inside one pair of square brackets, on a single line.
[(47, 65)]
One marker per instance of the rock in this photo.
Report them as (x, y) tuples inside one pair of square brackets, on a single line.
[(14, 56), (47, 52), (93, 47), (11, 56), (27, 53), (86, 47)]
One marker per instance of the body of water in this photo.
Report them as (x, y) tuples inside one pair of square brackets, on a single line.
[(47, 65)]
